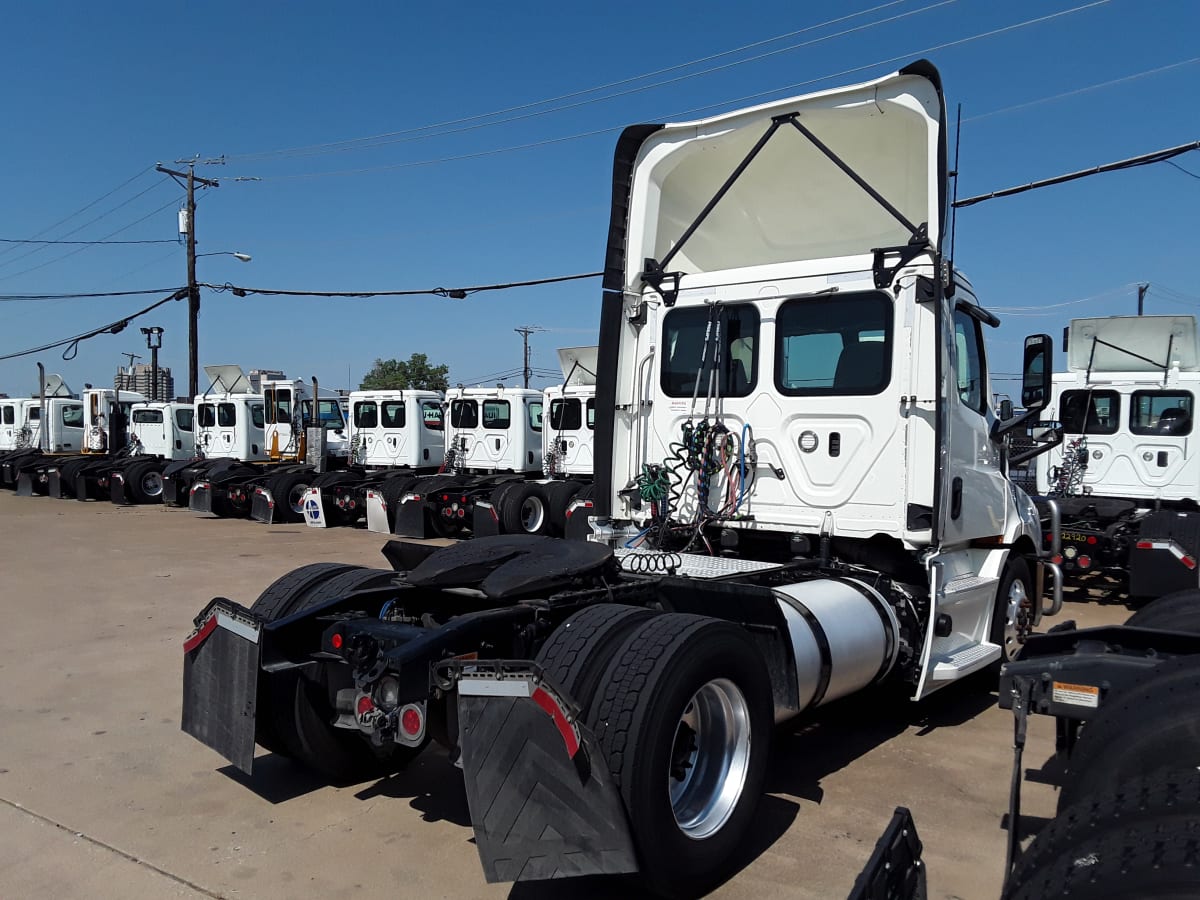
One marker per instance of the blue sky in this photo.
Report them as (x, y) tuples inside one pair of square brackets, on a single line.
[(97, 93)]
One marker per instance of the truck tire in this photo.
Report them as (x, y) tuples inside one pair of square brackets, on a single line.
[(683, 718), (273, 726), (523, 510), (283, 596), (1143, 862), (1013, 615), (579, 650), (144, 481), (558, 495), (1179, 611), (1152, 726), (288, 489), (1166, 798)]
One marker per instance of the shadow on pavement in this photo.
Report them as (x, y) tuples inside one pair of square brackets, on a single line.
[(832, 738)]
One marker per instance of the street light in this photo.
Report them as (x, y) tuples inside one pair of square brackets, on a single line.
[(244, 257), (153, 343)]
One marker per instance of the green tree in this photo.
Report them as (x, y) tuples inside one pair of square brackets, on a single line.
[(414, 373)]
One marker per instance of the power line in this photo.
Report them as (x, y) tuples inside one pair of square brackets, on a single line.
[(90, 243), (1133, 162), (80, 228), (1175, 165), (382, 139), (1082, 90), (451, 293), (784, 90), (70, 253), (84, 208), (8, 298), (72, 343)]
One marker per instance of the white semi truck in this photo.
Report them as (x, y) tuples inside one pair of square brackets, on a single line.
[(395, 437), (508, 469), (44, 429), (800, 493), (249, 440), (1127, 477)]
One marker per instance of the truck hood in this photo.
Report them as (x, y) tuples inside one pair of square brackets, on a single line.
[(792, 201)]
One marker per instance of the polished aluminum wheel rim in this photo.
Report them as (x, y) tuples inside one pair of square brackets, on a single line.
[(1015, 613), (295, 498), (533, 513), (709, 758), (152, 484)]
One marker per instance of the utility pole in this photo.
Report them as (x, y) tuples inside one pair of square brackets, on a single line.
[(1142, 288), (525, 331), (193, 288), (132, 357)]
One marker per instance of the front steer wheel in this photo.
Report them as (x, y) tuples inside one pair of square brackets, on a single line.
[(683, 719)]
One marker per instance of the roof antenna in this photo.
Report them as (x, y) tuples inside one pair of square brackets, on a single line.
[(954, 202)]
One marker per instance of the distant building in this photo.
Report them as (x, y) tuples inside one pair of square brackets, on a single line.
[(138, 378), (258, 376)]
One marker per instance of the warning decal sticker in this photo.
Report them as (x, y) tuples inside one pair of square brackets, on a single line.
[(1076, 694)]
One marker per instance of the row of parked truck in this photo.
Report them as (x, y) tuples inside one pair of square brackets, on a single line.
[(469, 460), (799, 492)]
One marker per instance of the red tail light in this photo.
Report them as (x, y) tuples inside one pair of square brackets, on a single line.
[(410, 721)]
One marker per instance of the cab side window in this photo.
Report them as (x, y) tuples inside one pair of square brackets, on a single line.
[(969, 362)]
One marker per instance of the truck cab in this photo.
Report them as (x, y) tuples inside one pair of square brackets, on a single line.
[(163, 429), (12, 422), (789, 365), (1127, 476), (230, 426), (570, 418), (1128, 398), (490, 430), (288, 408), (390, 429), (106, 419)]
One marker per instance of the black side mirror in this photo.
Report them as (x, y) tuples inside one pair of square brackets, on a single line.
[(1035, 374), (1006, 410)]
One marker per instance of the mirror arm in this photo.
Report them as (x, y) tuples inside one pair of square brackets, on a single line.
[(1001, 428)]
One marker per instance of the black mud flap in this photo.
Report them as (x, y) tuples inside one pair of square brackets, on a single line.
[(220, 681), (484, 521), (410, 518), (1164, 556), (116, 489), (81, 487), (895, 870), (25, 484), (262, 507), (200, 497), (54, 484), (538, 811), (171, 490), (578, 527)]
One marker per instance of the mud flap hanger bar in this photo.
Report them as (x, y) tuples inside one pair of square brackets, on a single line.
[(512, 678), (655, 272)]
